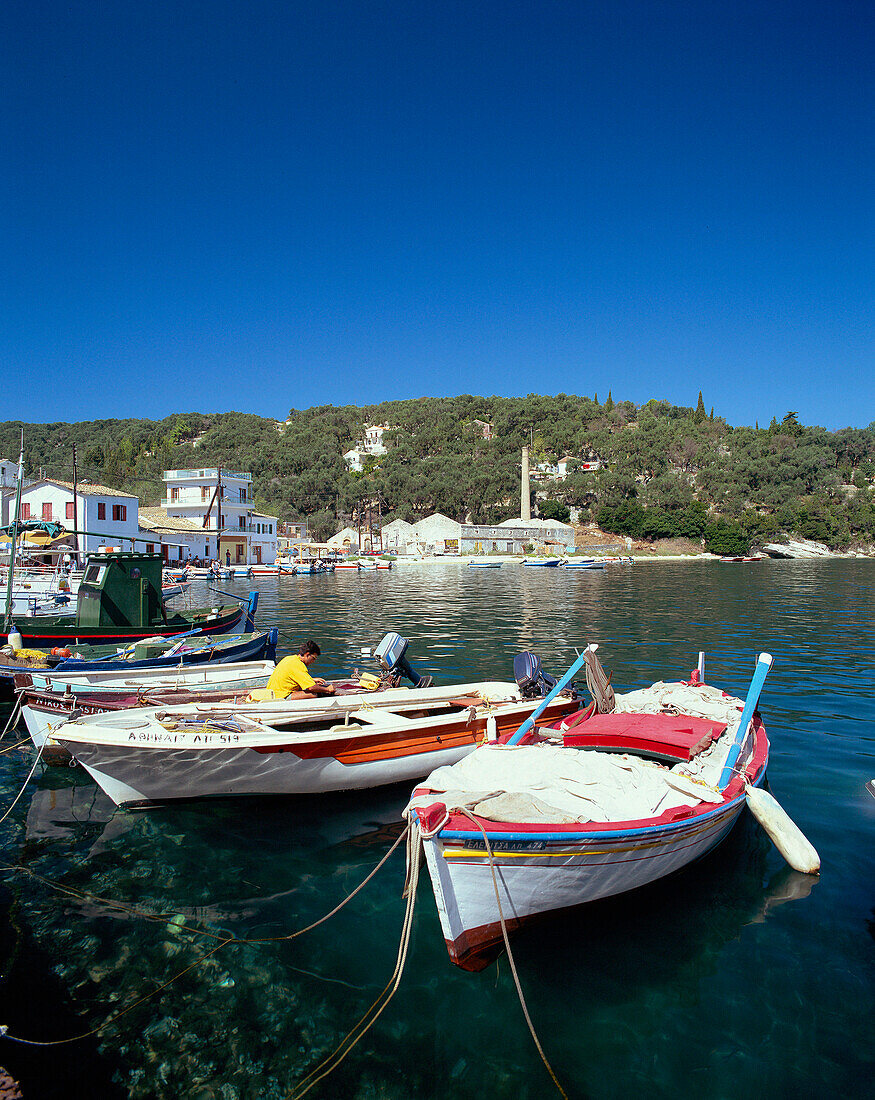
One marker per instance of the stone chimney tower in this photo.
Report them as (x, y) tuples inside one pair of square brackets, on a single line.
[(525, 498)]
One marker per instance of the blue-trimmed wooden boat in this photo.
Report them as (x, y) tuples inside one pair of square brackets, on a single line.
[(634, 795)]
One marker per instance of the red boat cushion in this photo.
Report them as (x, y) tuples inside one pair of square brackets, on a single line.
[(674, 735)]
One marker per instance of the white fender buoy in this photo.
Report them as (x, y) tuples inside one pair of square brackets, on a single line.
[(787, 837)]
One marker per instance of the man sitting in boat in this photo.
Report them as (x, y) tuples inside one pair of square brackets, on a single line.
[(291, 677)]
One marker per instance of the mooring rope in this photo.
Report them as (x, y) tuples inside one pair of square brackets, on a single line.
[(206, 933), (378, 1006), (24, 788), (467, 813), (16, 745), (14, 716)]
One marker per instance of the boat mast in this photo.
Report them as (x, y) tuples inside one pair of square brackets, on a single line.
[(7, 619)]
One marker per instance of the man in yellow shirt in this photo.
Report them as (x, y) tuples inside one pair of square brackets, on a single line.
[(291, 678)]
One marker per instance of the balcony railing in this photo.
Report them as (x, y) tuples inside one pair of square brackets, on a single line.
[(180, 475), (193, 499)]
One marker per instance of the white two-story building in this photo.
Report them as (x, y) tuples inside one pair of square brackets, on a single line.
[(219, 502), (107, 517)]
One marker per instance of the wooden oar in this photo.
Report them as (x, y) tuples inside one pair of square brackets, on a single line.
[(787, 837), (764, 664)]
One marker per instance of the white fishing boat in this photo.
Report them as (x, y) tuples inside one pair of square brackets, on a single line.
[(582, 563), (209, 677), (475, 564), (593, 805), (47, 700), (300, 747)]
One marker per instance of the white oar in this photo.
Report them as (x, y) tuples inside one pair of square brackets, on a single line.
[(784, 833)]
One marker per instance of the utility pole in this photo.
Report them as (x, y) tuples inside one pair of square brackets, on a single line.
[(76, 511), (7, 618)]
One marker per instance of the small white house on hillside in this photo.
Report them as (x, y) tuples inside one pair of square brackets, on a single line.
[(371, 443)]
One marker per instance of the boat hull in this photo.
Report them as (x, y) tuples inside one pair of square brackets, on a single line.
[(536, 876), (536, 869), (37, 633), (143, 766), (249, 647)]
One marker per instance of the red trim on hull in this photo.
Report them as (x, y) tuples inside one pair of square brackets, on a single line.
[(678, 813), (85, 636), (366, 748)]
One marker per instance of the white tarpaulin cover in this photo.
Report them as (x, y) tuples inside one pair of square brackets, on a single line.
[(550, 783)]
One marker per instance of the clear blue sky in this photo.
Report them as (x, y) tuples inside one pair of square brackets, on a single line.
[(259, 206)]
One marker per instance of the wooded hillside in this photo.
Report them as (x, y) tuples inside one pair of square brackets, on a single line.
[(666, 471)]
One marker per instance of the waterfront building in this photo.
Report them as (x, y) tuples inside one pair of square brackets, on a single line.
[(399, 537), (289, 534), (175, 538), (438, 534), (220, 502), (347, 541), (8, 483), (108, 517), (517, 536), (262, 538)]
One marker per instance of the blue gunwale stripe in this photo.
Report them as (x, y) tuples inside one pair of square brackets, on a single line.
[(593, 836)]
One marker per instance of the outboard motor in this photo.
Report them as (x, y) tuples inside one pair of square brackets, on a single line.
[(531, 679), (390, 653)]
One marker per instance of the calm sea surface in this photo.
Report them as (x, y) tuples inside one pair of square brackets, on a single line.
[(736, 978)]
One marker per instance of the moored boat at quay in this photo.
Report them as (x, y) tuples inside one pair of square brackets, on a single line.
[(120, 600), (165, 654), (173, 652), (211, 676), (593, 805), (301, 747), (46, 701), (52, 696)]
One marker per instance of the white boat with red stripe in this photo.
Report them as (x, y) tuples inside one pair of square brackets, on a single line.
[(594, 805)]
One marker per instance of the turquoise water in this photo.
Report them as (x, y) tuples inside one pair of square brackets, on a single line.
[(736, 978)]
